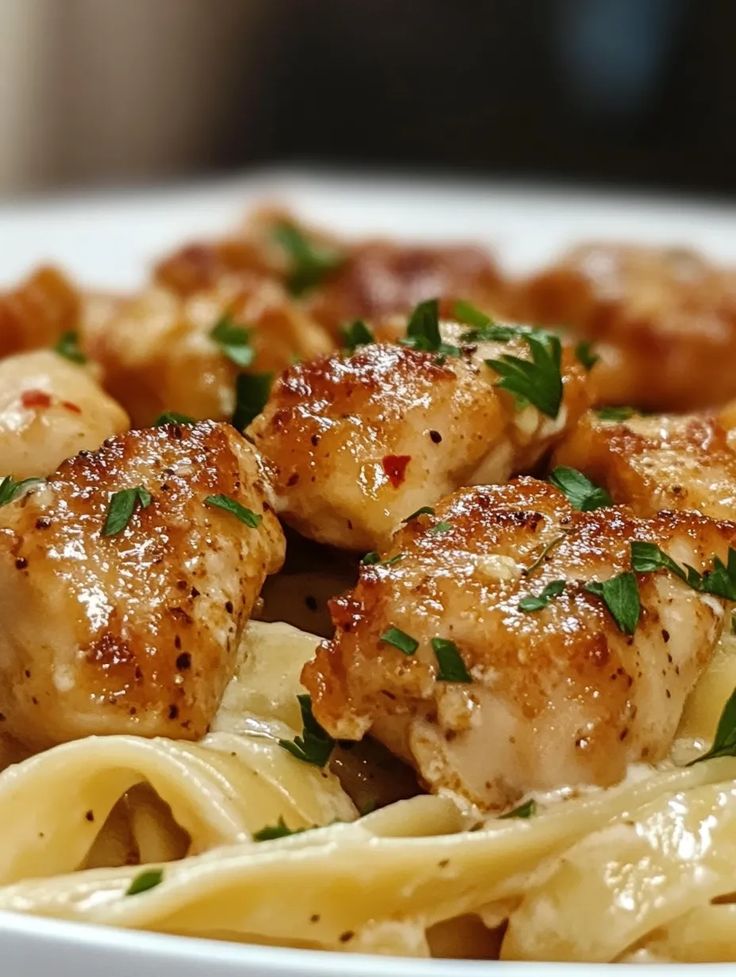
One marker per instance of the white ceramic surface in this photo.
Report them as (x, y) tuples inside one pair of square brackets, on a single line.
[(109, 241)]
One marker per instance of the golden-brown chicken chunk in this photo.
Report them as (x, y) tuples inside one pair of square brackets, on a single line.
[(663, 320), (132, 631), (491, 700), (657, 462), (38, 312), (158, 352), (360, 442), (338, 280), (50, 409), (379, 279)]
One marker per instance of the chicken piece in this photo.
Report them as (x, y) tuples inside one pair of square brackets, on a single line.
[(663, 320), (49, 410), (202, 266), (370, 279), (657, 462), (360, 442), (133, 632), (157, 352), (558, 695), (379, 279), (38, 312)]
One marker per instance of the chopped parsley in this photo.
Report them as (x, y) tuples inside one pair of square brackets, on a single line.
[(233, 340), (546, 550), (620, 594), (121, 507), (309, 263), (173, 417), (585, 355), (68, 347), (374, 559), (470, 315), (531, 603), (279, 830), (724, 742), (423, 330), (615, 413), (720, 581), (11, 490), (425, 510), (355, 335), (580, 492), (314, 745), (399, 639), (251, 395), (144, 881), (537, 381), (441, 527), (247, 516), (526, 810), (451, 666)]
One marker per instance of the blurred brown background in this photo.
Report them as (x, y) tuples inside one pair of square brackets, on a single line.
[(111, 92)]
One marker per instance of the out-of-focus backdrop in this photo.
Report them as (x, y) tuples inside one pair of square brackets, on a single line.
[(122, 92)]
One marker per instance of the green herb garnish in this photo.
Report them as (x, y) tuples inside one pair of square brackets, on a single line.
[(441, 527), (532, 603), (425, 510), (399, 639), (423, 330), (724, 742), (251, 396), (526, 810), (309, 263), (121, 507), (355, 335), (233, 340), (451, 666), (621, 596), (173, 417), (145, 881), (720, 581), (585, 355), (546, 550), (279, 830), (247, 516), (537, 381), (68, 347), (10, 489), (615, 413), (580, 492), (314, 745), (470, 315), (374, 559)]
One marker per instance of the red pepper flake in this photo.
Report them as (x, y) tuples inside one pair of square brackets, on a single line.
[(35, 398), (72, 407), (395, 468)]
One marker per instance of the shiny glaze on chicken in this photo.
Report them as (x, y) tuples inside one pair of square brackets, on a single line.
[(559, 695), (664, 320), (359, 442), (134, 632), (50, 409), (38, 311), (157, 353)]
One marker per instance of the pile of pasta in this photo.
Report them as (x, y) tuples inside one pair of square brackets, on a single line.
[(185, 838)]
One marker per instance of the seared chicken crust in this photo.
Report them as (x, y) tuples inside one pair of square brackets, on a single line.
[(657, 462), (157, 352), (663, 319), (359, 442), (134, 632), (559, 695)]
